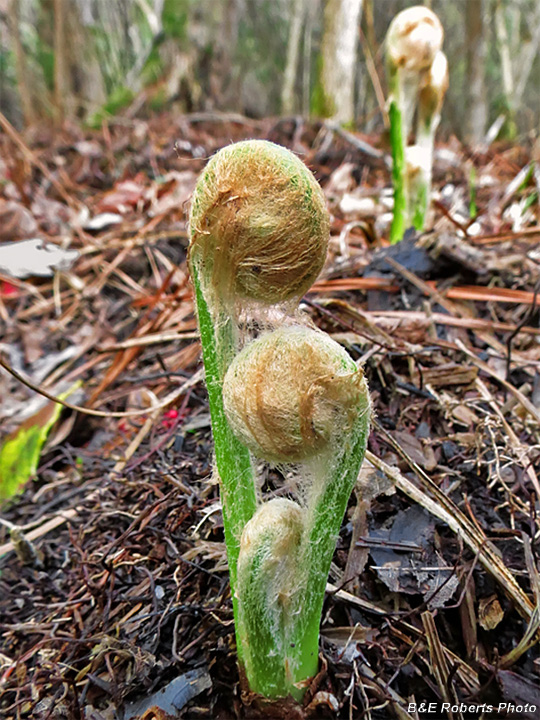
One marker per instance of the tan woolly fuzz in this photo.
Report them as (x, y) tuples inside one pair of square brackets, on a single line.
[(292, 394), (280, 519), (414, 37), (417, 161), (259, 224), (433, 90)]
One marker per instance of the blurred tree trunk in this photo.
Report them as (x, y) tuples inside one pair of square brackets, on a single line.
[(288, 105), (24, 83), (229, 42), (517, 55), (187, 62), (310, 17), (213, 29), (504, 51), (477, 111), (61, 79), (339, 55), (153, 14), (79, 86), (87, 80)]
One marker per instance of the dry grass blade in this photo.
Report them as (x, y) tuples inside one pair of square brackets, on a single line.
[(486, 294), (406, 632), (411, 635), (527, 641), (42, 530), (358, 283), (526, 233), (466, 292), (517, 447), (384, 693), (439, 663), (353, 600), (154, 339), (422, 286), (440, 319)]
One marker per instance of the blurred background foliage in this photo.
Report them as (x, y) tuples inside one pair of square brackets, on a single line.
[(93, 60)]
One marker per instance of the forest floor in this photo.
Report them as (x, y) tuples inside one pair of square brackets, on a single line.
[(114, 596)]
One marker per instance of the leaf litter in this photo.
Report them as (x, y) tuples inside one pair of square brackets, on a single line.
[(113, 587)]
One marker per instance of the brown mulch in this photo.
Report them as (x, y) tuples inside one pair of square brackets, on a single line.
[(113, 579)]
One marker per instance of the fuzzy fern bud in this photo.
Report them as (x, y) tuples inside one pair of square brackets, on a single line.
[(293, 393), (259, 224), (267, 591), (432, 95), (414, 37)]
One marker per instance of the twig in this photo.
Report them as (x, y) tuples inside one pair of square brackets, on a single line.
[(526, 234), (524, 320), (439, 663), (440, 319), (361, 145), (153, 339), (167, 400), (512, 437), (374, 76)]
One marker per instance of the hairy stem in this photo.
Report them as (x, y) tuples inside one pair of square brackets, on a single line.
[(399, 174), (233, 461), (325, 515)]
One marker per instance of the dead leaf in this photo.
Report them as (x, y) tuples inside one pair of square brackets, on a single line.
[(125, 196), (410, 563), (21, 450), (490, 612), (421, 453), (173, 697), (173, 193)]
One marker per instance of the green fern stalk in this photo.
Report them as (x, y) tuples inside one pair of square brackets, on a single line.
[(399, 175), (233, 461)]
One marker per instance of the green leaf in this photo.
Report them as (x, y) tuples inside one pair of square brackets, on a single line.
[(20, 452)]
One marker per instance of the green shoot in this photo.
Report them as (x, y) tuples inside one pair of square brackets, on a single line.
[(291, 396), (417, 78)]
